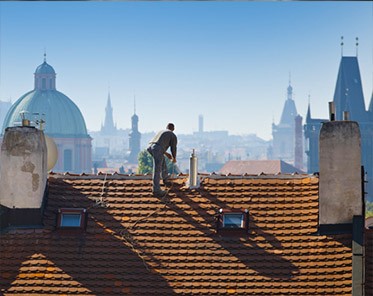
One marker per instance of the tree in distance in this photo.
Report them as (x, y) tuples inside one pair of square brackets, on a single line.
[(146, 163)]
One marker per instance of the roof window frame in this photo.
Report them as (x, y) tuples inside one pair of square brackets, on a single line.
[(224, 230), (82, 212)]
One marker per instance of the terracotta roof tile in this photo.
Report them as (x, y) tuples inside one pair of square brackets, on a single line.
[(138, 244)]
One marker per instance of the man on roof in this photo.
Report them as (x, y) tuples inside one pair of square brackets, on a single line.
[(158, 147)]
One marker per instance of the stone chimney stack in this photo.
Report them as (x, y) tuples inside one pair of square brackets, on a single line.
[(341, 196), (23, 176)]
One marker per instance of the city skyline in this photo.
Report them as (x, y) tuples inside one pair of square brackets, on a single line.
[(229, 62)]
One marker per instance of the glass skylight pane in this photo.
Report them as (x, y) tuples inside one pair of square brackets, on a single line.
[(70, 220), (233, 220)]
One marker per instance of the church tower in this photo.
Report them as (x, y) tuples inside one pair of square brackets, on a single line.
[(134, 138), (348, 94), (108, 128), (311, 133), (284, 132), (348, 97)]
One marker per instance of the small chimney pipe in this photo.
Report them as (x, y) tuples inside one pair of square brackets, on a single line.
[(193, 171), (331, 111)]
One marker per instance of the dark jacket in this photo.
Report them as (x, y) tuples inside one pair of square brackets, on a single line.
[(166, 139)]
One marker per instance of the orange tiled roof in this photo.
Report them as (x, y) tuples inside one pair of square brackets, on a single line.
[(138, 244)]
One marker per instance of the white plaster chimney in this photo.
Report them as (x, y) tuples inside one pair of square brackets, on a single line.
[(193, 181), (23, 168), (340, 191)]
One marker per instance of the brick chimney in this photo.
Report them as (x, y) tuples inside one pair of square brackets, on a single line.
[(341, 196), (23, 176)]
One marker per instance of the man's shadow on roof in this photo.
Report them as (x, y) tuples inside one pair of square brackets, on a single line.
[(260, 251), (103, 260)]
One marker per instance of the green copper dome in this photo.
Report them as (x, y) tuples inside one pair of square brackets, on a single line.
[(63, 118)]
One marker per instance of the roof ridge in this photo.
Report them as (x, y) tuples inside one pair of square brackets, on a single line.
[(117, 176)]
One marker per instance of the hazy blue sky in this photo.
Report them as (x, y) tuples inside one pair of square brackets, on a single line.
[(229, 61)]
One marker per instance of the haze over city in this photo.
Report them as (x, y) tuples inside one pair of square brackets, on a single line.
[(229, 61)]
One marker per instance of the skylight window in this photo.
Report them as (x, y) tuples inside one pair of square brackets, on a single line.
[(71, 218), (232, 221)]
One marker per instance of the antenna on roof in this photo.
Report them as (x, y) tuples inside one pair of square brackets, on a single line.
[(39, 121), (357, 45), (341, 46)]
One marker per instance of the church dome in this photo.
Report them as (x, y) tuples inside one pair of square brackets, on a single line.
[(63, 118)]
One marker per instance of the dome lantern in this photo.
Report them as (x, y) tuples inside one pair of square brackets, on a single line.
[(45, 76)]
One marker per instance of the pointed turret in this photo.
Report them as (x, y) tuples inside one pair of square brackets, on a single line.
[(348, 95), (108, 128), (308, 116), (290, 111)]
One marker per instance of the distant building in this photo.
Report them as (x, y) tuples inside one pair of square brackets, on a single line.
[(63, 120), (200, 123), (108, 128), (256, 167), (109, 142), (348, 96), (134, 139), (287, 137)]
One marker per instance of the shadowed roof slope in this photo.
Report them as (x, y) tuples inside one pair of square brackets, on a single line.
[(138, 244)]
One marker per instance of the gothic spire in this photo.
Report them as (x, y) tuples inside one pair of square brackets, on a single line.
[(308, 116), (108, 127), (348, 94)]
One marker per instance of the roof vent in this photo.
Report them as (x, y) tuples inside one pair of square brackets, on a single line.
[(193, 181)]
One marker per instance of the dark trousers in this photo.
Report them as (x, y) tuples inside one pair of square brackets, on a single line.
[(159, 165)]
